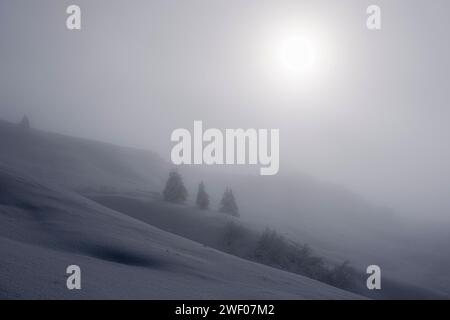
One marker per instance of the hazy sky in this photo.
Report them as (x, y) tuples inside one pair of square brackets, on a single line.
[(372, 114)]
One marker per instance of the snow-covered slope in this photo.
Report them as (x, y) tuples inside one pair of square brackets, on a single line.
[(44, 229), (319, 213), (339, 225)]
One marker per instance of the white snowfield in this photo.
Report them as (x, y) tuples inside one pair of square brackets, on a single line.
[(44, 229)]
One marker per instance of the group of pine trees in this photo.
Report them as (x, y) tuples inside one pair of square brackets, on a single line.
[(176, 192)]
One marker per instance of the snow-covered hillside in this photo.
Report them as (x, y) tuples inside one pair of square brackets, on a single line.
[(44, 229), (338, 225)]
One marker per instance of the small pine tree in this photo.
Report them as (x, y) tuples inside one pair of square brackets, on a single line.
[(202, 197), (25, 123), (228, 203), (175, 191)]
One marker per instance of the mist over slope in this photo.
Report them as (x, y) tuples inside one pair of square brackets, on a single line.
[(338, 224), (85, 165), (317, 211), (79, 163)]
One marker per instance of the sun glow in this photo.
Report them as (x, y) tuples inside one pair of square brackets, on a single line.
[(295, 54), (297, 58)]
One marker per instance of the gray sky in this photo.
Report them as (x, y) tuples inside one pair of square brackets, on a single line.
[(373, 116)]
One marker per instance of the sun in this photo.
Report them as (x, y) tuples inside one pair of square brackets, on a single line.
[(295, 54), (297, 57)]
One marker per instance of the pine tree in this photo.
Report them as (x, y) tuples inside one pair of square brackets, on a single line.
[(228, 203), (175, 191), (202, 197), (25, 123)]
